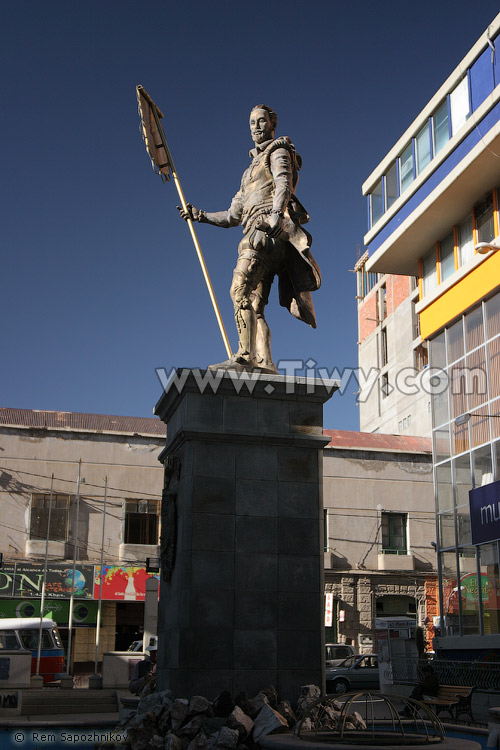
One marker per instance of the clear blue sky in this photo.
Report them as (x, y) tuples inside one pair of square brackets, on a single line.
[(100, 283)]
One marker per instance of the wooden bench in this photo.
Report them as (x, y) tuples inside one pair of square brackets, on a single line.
[(456, 699)]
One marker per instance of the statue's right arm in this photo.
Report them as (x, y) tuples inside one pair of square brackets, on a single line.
[(229, 218)]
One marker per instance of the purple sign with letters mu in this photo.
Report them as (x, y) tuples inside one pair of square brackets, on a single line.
[(484, 503)]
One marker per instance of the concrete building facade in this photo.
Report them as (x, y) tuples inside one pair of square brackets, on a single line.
[(379, 530), (378, 557), (391, 349)]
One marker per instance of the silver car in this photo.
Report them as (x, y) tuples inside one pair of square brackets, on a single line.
[(356, 672)]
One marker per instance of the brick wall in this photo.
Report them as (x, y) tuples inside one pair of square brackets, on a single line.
[(398, 289), (368, 309)]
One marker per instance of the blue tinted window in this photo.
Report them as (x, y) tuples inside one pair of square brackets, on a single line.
[(406, 167), (377, 203), (441, 127), (391, 185)]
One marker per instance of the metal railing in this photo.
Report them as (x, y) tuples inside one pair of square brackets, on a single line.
[(484, 675)]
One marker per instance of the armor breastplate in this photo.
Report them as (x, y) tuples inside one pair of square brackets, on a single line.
[(258, 188)]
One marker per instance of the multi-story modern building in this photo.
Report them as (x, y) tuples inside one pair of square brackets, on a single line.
[(378, 511), (434, 212)]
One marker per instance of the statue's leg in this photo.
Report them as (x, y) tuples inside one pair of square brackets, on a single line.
[(260, 298), (244, 314)]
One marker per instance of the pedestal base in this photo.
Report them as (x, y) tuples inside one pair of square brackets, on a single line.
[(241, 595)]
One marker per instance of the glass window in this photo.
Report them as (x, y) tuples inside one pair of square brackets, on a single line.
[(391, 185), (463, 525), (485, 225), (494, 367), (59, 517), (477, 387), (437, 351), (490, 587), (429, 273), (442, 443), (406, 162), (459, 105), (455, 341), (441, 127), (444, 487), (440, 412), (474, 333), (29, 639), (377, 202), (458, 383), (385, 386), (479, 427), (447, 256), (423, 148), (483, 468), (394, 533), (383, 346), (463, 479), (493, 316), (469, 590), (450, 593), (141, 522), (8, 640), (465, 241)]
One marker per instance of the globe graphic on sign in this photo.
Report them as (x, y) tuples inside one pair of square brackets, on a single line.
[(76, 582)]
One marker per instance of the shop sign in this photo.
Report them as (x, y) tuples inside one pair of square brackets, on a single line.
[(123, 583), (24, 580), (328, 610), (84, 611), (484, 505)]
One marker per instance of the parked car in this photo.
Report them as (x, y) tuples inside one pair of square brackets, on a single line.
[(135, 646), (336, 653), (358, 671)]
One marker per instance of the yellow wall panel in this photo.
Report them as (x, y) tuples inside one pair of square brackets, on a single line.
[(466, 292)]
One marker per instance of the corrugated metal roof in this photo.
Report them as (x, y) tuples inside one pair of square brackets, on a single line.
[(68, 420), (375, 441)]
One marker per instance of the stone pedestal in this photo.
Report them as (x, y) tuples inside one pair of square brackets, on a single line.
[(241, 592)]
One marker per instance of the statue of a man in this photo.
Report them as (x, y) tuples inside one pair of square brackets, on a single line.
[(274, 243)]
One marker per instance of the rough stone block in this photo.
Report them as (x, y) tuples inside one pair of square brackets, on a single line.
[(228, 738), (268, 721), (239, 721)]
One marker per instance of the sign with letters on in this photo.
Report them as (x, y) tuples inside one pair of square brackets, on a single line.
[(484, 504)]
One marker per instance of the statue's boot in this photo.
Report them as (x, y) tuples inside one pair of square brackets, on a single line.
[(243, 360), (263, 354)]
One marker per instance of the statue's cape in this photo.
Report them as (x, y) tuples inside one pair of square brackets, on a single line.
[(301, 275)]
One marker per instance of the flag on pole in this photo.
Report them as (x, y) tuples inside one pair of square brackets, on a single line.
[(153, 135)]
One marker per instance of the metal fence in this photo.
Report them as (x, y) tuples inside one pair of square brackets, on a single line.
[(484, 675)]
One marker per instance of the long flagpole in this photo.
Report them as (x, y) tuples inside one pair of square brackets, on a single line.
[(42, 600), (99, 606), (156, 115), (75, 546)]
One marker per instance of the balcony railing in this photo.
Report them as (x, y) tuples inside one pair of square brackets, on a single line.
[(484, 675)]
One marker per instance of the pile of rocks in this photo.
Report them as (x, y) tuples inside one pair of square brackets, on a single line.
[(163, 722)]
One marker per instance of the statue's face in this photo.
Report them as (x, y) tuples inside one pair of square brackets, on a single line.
[(260, 126)]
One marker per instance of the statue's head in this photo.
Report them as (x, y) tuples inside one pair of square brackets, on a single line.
[(263, 122)]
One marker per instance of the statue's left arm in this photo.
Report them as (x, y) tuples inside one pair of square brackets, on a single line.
[(281, 170)]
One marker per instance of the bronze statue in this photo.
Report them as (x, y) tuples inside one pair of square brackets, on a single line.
[(274, 243)]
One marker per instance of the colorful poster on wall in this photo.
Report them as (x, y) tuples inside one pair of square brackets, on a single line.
[(24, 580), (124, 583)]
